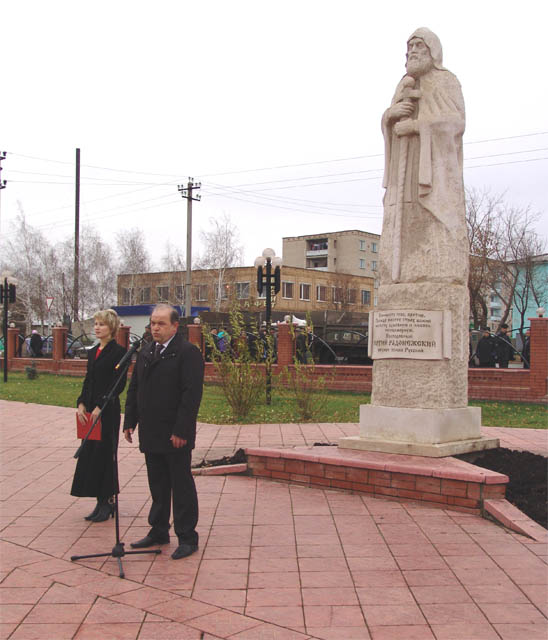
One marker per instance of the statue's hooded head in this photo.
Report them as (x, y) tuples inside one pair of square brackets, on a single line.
[(432, 42)]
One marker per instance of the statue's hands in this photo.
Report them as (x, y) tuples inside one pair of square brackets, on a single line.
[(406, 128), (401, 110)]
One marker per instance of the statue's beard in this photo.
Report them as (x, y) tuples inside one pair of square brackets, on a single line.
[(417, 67)]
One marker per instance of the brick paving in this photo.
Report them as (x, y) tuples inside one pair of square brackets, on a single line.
[(276, 561)]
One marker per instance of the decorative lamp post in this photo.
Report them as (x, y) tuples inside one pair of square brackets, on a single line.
[(268, 279), (7, 296)]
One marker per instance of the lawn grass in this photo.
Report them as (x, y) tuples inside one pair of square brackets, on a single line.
[(341, 406)]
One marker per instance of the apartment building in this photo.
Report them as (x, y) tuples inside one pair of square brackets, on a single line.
[(352, 252)]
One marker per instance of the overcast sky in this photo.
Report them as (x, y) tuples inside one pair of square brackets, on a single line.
[(274, 106)]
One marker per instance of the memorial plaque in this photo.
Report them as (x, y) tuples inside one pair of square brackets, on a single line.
[(406, 333)]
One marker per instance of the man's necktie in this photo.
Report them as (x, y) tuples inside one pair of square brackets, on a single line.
[(158, 350)]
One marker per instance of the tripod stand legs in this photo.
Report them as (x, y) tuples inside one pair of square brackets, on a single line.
[(117, 552)]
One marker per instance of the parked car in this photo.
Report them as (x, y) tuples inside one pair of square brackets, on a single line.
[(75, 347)]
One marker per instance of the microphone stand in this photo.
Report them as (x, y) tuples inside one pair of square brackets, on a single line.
[(118, 550)]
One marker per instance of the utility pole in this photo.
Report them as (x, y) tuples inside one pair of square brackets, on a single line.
[(187, 192), (76, 237), (2, 182)]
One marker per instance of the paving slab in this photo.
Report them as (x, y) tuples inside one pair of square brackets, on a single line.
[(275, 560)]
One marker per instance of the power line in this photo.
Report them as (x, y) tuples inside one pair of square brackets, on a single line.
[(274, 167)]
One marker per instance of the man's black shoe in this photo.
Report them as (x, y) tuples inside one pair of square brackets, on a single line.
[(148, 541), (184, 550)]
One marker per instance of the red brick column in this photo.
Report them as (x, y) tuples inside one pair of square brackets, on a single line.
[(59, 342), (13, 334), (195, 335), (122, 337), (286, 345), (539, 356)]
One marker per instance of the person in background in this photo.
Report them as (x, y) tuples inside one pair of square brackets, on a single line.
[(36, 345), (504, 348), (527, 350), (486, 349), (94, 474)]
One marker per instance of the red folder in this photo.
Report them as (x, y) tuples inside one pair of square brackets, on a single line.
[(82, 429)]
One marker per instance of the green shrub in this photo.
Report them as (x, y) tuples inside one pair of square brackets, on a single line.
[(241, 376), (31, 371)]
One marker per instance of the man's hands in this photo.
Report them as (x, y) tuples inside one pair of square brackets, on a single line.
[(177, 442)]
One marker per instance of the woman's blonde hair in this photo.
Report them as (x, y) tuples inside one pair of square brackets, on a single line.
[(110, 318)]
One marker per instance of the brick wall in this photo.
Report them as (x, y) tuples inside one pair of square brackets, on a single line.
[(519, 385), (466, 494)]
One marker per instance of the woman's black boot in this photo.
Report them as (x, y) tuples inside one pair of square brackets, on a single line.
[(92, 515), (105, 511)]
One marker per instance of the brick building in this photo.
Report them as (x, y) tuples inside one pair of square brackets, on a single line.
[(302, 290)]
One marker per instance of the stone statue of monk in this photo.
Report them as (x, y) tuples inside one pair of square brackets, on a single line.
[(424, 228), (419, 400), (424, 253)]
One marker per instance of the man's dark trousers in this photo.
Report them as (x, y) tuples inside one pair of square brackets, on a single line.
[(167, 473)]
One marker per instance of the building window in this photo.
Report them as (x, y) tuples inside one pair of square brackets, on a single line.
[(127, 295), (145, 295), (180, 292), (351, 296), (374, 247), (376, 284), (362, 263), (362, 245), (337, 294), (304, 292), (163, 294), (319, 244), (200, 292), (321, 293), (287, 290), (221, 291), (242, 290), (373, 265), (375, 301), (366, 297)]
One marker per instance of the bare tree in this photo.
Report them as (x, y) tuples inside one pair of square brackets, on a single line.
[(481, 217), (222, 250), (502, 242), (172, 258), (173, 261), (97, 284), (134, 256), (27, 257)]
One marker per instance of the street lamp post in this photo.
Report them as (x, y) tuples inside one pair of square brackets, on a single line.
[(7, 295), (268, 280)]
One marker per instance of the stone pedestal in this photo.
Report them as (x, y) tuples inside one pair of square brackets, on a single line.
[(419, 432), (419, 406)]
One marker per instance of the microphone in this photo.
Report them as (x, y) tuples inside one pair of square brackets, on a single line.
[(129, 354)]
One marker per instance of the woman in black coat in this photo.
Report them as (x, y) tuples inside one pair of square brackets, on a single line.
[(94, 475)]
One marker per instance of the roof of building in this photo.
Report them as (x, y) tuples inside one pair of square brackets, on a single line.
[(331, 233)]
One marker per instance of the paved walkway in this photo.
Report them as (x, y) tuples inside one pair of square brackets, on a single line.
[(276, 562)]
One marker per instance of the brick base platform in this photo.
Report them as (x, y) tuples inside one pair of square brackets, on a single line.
[(447, 483)]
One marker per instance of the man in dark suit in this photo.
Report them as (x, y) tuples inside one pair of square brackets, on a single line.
[(163, 399)]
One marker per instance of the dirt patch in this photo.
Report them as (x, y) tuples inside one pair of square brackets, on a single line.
[(528, 473), (238, 458)]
